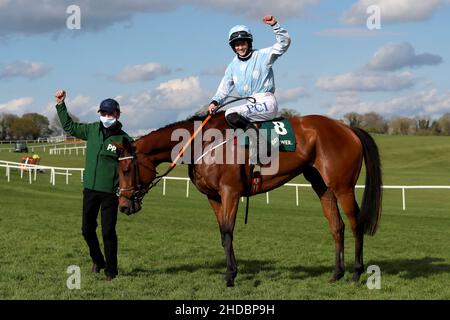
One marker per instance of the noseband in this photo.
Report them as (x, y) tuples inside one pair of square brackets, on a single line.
[(139, 190)]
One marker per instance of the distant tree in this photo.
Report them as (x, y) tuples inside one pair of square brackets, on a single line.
[(287, 113), (444, 124), (38, 125), (423, 126), (6, 121), (402, 125), (29, 126), (19, 128), (435, 129), (353, 119), (373, 122)]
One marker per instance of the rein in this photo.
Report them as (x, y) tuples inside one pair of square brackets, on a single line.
[(139, 190)]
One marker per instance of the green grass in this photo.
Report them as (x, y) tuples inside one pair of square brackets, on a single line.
[(171, 249)]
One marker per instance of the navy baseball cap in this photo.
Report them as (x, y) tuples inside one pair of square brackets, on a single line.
[(109, 105)]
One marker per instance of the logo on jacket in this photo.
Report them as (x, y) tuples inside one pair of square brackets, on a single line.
[(111, 147)]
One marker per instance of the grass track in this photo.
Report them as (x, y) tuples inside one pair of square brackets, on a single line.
[(171, 249)]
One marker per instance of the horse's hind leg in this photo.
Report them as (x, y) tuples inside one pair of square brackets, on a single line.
[(331, 211), (337, 227), (226, 217), (350, 206)]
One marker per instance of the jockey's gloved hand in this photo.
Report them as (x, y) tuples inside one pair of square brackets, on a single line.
[(212, 108), (270, 20)]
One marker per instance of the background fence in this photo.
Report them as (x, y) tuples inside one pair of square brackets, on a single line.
[(33, 169), (305, 185), (52, 148)]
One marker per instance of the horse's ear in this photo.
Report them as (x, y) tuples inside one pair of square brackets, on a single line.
[(127, 144), (119, 146)]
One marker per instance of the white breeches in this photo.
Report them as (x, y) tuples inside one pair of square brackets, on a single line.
[(265, 108)]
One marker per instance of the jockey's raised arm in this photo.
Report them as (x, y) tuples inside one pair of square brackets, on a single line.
[(282, 44)]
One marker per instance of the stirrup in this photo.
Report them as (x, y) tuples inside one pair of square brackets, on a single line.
[(253, 150), (253, 157)]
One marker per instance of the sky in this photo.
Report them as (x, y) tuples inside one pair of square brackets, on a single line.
[(163, 59)]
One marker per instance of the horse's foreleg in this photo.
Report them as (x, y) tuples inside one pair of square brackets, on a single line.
[(351, 209), (227, 243), (226, 216)]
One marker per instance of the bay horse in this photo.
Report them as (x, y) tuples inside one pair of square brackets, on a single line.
[(328, 153)]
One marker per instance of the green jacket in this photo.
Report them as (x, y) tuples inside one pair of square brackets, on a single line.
[(100, 172)]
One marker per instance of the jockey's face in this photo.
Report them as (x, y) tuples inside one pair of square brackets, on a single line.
[(241, 48)]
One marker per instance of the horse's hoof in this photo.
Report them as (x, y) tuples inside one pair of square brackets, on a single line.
[(336, 277), (356, 277), (230, 283)]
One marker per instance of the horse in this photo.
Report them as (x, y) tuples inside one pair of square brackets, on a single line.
[(328, 153)]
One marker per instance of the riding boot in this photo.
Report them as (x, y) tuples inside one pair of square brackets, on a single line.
[(236, 121)]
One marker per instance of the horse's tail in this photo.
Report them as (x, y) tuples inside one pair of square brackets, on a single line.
[(372, 197)]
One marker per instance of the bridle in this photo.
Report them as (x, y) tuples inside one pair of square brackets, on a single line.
[(138, 190)]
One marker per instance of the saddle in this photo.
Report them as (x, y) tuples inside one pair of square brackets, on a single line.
[(278, 133)]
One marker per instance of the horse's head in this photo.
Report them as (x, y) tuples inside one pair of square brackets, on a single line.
[(135, 176)]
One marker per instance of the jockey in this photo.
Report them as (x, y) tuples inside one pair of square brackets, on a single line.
[(251, 74)]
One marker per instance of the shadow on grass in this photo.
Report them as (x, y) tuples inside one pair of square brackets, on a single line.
[(247, 269), (412, 268)]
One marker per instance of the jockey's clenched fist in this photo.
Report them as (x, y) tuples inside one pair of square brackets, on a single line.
[(270, 20)]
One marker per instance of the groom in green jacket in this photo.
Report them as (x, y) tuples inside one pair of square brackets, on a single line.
[(100, 179)]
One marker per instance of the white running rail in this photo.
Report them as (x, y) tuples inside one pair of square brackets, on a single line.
[(32, 170)]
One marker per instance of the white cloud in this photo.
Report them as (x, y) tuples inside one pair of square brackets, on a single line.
[(434, 102), (81, 106), (392, 10), (162, 105), (427, 102), (142, 72), (16, 106), (394, 56), (175, 94), (376, 75), (140, 132), (25, 69), (40, 16), (367, 81), (291, 95)]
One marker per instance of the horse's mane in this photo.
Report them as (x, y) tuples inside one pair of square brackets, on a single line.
[(196, 117)]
